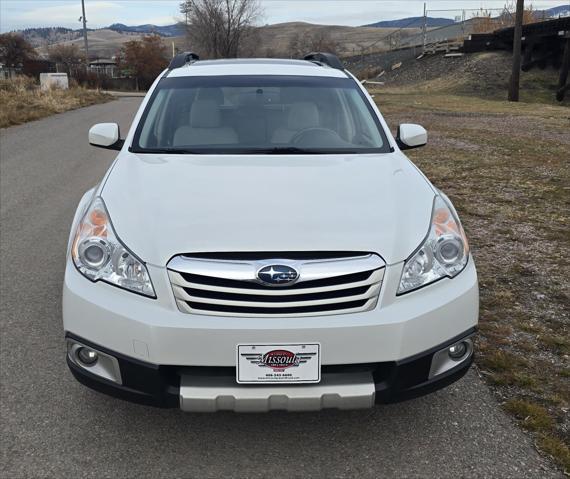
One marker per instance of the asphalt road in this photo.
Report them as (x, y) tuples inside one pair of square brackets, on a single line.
[(54, 427)]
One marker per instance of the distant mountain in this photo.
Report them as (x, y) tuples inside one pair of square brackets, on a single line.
[(43, 36), (49, 35), (164, 31), (561, 11), (413, 22), (418, 22), (45, 32)]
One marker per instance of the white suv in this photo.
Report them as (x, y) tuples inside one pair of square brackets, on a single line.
[(261, 242)]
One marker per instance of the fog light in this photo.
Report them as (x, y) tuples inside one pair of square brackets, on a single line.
[(451, 357), (457, 351), (87, 356)]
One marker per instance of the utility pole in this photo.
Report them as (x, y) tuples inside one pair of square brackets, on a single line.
[(85, 34), (562, 86), (425, 27), (517, 42)]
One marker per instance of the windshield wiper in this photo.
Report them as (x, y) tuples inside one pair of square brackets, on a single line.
[(281, 150), (169, 151), (292, 150), (278, 150)]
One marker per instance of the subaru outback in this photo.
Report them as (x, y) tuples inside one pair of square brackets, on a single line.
[(262, 242)]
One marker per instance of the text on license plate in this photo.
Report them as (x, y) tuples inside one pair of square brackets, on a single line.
[(278, 363)]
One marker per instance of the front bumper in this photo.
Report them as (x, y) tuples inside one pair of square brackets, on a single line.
[(168, 358), (209, 389)]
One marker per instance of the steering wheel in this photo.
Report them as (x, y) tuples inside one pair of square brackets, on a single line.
[(308, 134)]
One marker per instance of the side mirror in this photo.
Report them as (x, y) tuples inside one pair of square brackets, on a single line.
[(106, 135), (411, 136)]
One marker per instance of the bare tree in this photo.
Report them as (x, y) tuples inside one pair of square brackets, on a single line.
[(220, 28), (67, 55), (317, 41), (15, 50), (322, 41), (484, 21)]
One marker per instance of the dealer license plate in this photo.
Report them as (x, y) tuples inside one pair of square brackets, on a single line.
[(278, 363)]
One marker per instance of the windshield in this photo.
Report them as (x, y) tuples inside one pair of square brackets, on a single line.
[(259, 114)]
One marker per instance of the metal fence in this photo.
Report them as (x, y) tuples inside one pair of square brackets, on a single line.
[(466, 22), (7, 73)]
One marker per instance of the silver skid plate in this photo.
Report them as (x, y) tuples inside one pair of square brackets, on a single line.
[(338, 391)]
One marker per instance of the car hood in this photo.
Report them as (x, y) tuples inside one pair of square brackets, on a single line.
[(164, 205)]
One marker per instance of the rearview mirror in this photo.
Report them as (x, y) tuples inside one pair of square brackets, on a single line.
[(411, 136), (106, 135)]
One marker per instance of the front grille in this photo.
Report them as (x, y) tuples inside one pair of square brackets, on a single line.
[(229, 287), (212, 281)]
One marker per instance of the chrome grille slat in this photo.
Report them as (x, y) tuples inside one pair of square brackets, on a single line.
[(303, 296), (183, 306), (324, 287), (181, 294)]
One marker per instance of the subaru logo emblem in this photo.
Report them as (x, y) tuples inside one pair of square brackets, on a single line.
[(277, 275)]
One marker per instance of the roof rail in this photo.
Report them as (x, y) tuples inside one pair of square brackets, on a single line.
[(325, 59), (182, 59)]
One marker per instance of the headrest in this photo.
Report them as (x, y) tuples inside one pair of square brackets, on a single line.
[(205, 114), (211, 93), (303, 115)]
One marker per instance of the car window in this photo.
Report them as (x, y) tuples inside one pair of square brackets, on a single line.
[(259, 114)]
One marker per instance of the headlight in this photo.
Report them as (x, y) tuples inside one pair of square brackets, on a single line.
[(444, 252), (99, 255)]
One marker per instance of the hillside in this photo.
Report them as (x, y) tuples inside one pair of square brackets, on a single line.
[(413, 22), (561, 11), (275, 39), (105, 39), (49, 35), (102, 43), (418, 22), (483, 75), (164, 31), (38, 36), (351, 40)]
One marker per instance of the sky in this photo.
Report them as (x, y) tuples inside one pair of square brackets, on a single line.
[(18, 14)]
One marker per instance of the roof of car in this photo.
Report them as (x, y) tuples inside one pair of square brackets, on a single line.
[(256, 66)]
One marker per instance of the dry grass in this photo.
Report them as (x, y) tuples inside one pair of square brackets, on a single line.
[(505, 166), (556, 449), (22, 101), (533, 416), (536, 418)]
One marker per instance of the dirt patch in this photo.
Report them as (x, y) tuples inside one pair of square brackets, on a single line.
[(479, 72), (484, 75)]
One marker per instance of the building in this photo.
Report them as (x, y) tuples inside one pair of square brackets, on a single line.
[(107, 67)]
